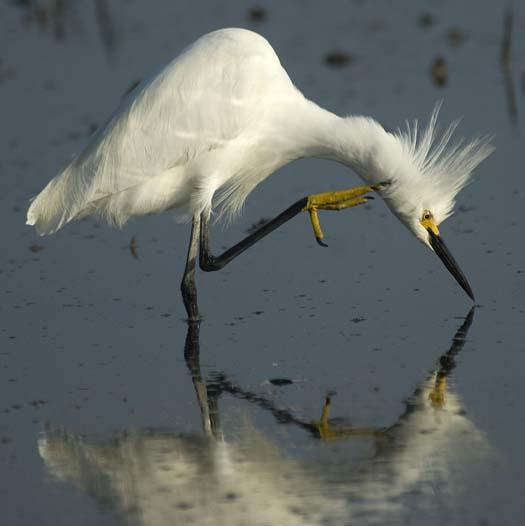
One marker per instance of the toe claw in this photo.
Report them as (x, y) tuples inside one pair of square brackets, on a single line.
[(320, 242), (376, 187)]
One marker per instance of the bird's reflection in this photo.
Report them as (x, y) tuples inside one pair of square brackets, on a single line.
[(163, 477)]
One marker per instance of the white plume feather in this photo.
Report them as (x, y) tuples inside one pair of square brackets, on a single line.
[(440, 168)]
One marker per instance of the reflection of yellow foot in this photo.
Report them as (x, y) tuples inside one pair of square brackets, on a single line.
[(339, 430), (323, 425), (437, 394), (338, 200)]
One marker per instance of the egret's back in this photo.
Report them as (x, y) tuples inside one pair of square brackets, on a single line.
[(168, 144)]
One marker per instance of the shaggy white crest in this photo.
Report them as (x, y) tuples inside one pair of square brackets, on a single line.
[(433, 172)]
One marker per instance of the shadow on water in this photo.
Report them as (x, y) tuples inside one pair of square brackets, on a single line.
[(157, 477)]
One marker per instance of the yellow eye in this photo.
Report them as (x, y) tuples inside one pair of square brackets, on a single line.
[(427, 221)]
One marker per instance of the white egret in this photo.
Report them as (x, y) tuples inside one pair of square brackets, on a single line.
[(221, 118)]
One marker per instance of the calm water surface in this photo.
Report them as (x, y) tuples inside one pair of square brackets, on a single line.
[(347, 385)]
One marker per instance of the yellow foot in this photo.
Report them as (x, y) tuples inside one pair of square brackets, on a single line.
[(437, 394), (338, 200)]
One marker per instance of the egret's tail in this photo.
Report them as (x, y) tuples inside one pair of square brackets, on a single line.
[(58, 203), (79, 191)]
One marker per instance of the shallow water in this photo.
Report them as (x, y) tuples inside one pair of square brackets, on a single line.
[(105, 419)]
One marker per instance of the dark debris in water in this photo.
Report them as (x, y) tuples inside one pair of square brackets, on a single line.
[(506, 66), (506, 41), (38, 403), (439, 71), (456, 36), (54, 16), (231, 496), (338, 58), (257, 14), (105, 24), (184, 506), (279, 382), (36, 248), (133, 248), (62, 19), (426, 20)]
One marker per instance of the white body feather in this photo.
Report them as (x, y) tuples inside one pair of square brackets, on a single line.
[(224, 115)]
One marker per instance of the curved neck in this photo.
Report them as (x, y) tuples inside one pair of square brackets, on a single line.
[(355, 141)]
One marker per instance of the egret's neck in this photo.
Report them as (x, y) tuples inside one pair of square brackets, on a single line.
[(358, 142)]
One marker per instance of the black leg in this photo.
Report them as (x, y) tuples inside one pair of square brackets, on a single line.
[(187, 286), (208, 262), (337, 200)]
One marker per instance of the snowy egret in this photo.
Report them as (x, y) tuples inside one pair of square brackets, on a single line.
[(221, 118)]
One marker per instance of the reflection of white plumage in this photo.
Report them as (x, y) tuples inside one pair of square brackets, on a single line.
[(167, 478), (163, 478), (428, 453), (221, 118)]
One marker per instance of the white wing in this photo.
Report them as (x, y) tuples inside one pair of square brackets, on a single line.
[(169, 144)]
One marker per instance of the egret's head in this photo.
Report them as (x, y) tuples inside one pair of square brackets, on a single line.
[(424, 180)]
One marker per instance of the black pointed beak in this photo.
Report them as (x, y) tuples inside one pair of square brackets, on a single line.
[(442, 251)]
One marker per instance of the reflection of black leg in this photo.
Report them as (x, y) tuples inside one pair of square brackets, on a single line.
[(191, 355), (213, 405), (447, 362), (207, 396), (208, 262), (187, 286)]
